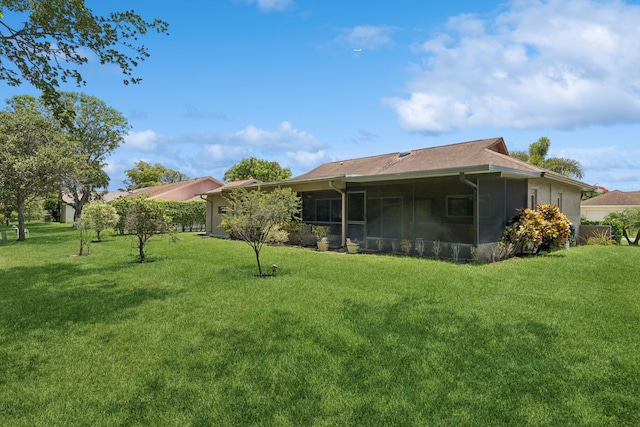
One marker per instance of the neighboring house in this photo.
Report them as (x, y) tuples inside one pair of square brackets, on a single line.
[(216, 204), (461, 193), (189, 189), (184, 190), (596, 208), (67, 212)]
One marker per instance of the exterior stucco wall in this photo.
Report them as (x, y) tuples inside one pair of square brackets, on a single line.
[(554, 193), (214, 217), (66, 213), (597, 213)]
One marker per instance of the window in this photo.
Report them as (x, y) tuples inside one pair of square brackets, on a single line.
[(559, 204), (328, 210), (356, 206), (384, 217), (460, 206), (534, 199)]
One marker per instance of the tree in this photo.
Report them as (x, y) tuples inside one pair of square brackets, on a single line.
[(7, 205), (629, 220), (45, 42), (100, 216), (145, 219), (254, 216), (33, 154), (262, 170), (96, 130), (171, 176), (537, 155), (144, 174), (52, 206)]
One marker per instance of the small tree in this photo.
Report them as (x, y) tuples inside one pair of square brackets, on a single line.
[(629, 221), (252, 216), (145, 219), (85, 236), (100, 216), (122, 206)]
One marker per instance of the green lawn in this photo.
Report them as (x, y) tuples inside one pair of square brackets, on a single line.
[(193, 338)]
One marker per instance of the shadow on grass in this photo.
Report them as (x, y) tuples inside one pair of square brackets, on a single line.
[(49, 297), (404, 363), (42, 233)]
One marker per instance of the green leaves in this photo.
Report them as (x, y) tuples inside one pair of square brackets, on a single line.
[(49, 44), (262, 170), (34, 153), (147, 175), (543, 228), (253, 215), (629, 221), (537, 155)]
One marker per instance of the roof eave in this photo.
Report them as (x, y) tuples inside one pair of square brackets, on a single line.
[(435, 173)]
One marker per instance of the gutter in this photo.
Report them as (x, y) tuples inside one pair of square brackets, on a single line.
[(466, 181)]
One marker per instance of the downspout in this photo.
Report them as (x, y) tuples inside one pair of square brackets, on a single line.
[(343, 238), (476, 216)]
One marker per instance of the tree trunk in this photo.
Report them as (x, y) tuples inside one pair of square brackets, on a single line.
[(21, 236), (635, 242), (258, 260), (141, 250)]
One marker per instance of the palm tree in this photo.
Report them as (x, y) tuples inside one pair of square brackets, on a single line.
[(537, 155)]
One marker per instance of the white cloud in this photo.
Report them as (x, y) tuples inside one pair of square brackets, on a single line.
[(271, 5), (561, 64), (307, 159), (285, 137), (367, 36), (284, 143), (220, 152), (146, 141)]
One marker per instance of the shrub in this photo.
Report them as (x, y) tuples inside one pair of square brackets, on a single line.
[(600, 238), (406, 246), (616, 228), (541, 229)]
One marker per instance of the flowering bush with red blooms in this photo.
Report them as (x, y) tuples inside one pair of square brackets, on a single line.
[(540, 229)]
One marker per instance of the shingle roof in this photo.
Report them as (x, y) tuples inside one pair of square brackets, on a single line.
[(615, 198), (491, 151), (159, 191), (233, 184)]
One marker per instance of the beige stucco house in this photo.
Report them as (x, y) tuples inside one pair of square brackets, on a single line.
[(596, 208), (67, 212), (460, 193), (216, 204)]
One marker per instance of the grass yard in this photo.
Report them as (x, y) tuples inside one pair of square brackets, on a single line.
[(192, 338)]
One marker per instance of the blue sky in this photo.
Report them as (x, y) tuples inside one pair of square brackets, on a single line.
[(305, 82)]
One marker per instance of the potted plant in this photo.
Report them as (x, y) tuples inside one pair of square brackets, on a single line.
[(352, 246), (322, 236)]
